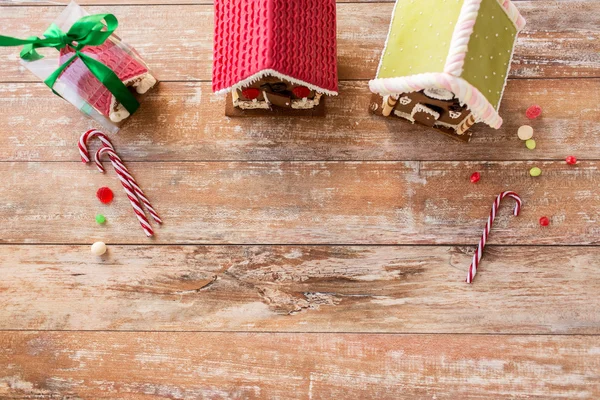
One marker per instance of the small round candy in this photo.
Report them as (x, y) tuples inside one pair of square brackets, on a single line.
[(571, 160), (544, 221), (98, 248), (475, 177), (105, 195), (535, 171), (533, 112), (100, 219), (301, 92), (251, 93), (530, 144), (525, 132)]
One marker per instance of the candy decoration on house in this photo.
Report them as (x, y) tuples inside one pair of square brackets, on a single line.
[(136, 196), (486, 231), (93, 69), (445, 63), (275, 55)]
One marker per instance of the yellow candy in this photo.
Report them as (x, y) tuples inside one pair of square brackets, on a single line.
[(535, 171), (530, 144)]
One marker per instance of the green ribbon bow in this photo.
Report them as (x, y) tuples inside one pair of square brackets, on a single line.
[(87, 31)]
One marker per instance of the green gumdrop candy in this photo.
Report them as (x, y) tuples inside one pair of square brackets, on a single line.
[(100, 219), (530, 144), (535, 171)]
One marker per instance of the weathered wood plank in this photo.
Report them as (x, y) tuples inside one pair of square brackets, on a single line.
[(185, 121), (300, 289), (153, 2), (304, 202), (562, 39), (145, 365)]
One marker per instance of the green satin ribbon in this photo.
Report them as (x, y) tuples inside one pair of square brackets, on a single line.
[(87, 31)]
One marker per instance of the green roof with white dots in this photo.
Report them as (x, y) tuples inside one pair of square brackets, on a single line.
[(419, 41)]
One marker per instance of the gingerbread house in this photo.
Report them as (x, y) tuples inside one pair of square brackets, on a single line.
[(275, 54), (445, 63)]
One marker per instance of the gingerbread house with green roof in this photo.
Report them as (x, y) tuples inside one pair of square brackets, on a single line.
[(445, 63)]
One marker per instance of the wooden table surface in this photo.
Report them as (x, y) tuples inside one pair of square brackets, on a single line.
[(302, 258)]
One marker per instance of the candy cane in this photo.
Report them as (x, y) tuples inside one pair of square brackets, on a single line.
[(137, 208), (83, 150), (85, 157), (488, 227), (122, 170)]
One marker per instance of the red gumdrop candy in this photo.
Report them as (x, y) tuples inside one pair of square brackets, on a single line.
[(571, 160), (533, 112), (301, 92), (251, 93), (105, 195), (475, 177), (544, 221)]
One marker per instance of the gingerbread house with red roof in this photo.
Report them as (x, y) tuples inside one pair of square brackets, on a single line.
[(275, 53)]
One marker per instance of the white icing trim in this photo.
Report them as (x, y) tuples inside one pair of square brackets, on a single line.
[(404, 115), (297, 104), (404, 100), (271, 72), (439, 94), (424, 109), (266, 98), (117, 112), (146, 83), (454, 114), (459, 44), (455, 127), (466, 93), (445, 125), (305, 103), (251, 105)]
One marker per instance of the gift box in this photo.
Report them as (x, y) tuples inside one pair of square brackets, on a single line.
[(81, 59)]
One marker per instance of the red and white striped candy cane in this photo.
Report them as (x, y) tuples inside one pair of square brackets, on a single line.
[(137, 207), (85, 157), (122, 170), (83, 140), (488, 227)]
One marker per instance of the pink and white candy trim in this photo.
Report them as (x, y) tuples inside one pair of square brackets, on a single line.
[(514, 14), (461, 36), (465, 92), (486, 231), (464, 29)]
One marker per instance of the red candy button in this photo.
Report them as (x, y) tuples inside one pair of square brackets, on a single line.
[(105, 195), (475, 177), (301, 92), (533, 112), (251, 93), (544, 221), (571, 160)]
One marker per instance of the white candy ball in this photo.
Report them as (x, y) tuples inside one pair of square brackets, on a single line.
[(525, 132), (98, 248)]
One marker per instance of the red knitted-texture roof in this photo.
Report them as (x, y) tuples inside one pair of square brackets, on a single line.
[(296, 38), (79, 77)]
